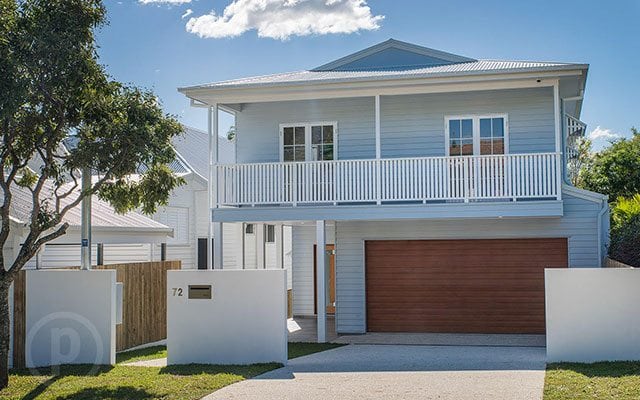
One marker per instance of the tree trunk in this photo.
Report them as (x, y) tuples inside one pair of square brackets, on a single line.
[(5, 331)]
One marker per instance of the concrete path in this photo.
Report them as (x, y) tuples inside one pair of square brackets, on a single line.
[(402, 372)]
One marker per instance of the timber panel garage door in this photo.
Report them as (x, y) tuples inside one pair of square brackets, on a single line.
[(459, 286)]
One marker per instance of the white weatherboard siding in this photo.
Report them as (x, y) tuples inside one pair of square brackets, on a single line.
[(411, 125), (579, 225), (180, 214), (258, 126), (304, 237)]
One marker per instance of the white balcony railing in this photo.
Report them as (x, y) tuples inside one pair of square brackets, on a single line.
[(428, 179)]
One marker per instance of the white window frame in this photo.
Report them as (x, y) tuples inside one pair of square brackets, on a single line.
[(308, 152), (476, 130)]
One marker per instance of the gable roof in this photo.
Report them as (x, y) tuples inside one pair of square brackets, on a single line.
[(367, 65), (102, 214), (193, 148), (393, 54)]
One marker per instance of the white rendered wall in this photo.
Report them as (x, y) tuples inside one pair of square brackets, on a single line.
[(243, 323), (592, 314), (71, 317)]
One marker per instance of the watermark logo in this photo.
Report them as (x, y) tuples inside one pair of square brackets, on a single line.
[(64, 338)]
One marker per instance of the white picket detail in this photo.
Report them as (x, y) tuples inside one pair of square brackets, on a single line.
[(426, 179)]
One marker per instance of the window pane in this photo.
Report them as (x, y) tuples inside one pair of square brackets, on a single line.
[(327, 133), (327, 152), (454, 148), (485, 127), (270, 234), (498, 146), (316, 134), (498, 127), (299, 153), (288, 136), (299, 134), (454, 128), (288, 154), (485, 146), (249, 229), (467, 147), (467, 128)]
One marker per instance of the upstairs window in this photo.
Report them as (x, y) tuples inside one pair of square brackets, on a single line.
[(476, 135), (314, 141), (492, 135)]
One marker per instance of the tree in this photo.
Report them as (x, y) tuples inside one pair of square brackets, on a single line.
[(615, 171), (231, 133), (579, 156), (53, 86)]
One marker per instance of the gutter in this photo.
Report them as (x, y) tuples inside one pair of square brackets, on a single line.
[(603, 210)]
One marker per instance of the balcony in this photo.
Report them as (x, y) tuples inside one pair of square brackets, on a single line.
[(492, 178)]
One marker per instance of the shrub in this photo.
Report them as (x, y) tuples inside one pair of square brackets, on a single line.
[(625, 231)]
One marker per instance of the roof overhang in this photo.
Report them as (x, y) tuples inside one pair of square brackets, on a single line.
[(118, 235), (364, 87)]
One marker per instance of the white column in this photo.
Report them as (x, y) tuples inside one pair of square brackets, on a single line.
[(558, 129), (378, 129), (279, 253), (218, 240), (321, 306), (378, 150), (212, 186), (85, 225)]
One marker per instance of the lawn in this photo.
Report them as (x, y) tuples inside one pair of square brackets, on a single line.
[(137, 383), (605, 380)]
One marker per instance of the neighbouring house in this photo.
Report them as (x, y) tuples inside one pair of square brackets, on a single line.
[(246, 245), (116, 238), (426, 190)]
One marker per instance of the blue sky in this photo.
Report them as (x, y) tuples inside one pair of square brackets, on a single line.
[(149, 44)]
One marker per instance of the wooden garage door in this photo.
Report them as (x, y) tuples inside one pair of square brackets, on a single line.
[(459, 286)]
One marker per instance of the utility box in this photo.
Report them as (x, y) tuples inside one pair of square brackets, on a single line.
[(226, 317)]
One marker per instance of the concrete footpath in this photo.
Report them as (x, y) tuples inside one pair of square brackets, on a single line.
[(402, 372)]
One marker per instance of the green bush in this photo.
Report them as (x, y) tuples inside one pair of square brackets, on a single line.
[(625, 231)]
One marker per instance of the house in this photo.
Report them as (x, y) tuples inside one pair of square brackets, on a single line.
[(116, 238), (425, 191)]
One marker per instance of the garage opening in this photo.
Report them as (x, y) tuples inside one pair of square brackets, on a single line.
[(459, 286)]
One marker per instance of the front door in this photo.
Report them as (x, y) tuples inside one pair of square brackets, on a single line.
[(331, 298)]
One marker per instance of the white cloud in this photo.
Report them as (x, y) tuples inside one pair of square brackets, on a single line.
[(605, 134), (164, 1), (281, 19), (187, 13)]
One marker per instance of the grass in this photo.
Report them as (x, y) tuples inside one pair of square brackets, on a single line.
[(604, 380), (149, 353), (185, 382)]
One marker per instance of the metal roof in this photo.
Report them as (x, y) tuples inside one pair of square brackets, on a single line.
[(193, 147), (102, 214), (458, 69)]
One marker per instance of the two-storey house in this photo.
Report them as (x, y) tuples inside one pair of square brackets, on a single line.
[(425, 191)]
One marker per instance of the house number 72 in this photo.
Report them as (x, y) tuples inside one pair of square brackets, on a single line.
[(177, 292)]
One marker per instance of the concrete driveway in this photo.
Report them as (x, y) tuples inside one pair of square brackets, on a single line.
[(402, 372)]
